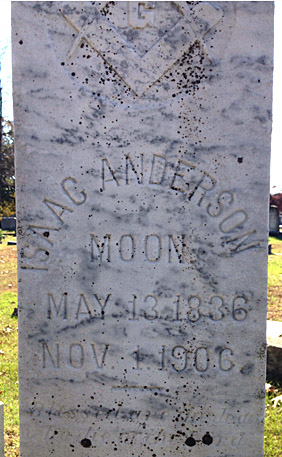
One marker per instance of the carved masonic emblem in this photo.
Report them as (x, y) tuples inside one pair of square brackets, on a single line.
[(140, 41), (141, 14)]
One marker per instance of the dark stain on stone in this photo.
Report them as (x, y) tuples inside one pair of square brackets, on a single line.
[(85, 442), (190, 441), (207, 439), (247, 369)]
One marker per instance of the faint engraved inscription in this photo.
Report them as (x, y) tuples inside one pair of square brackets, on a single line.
[(35, 253), (177, 359), (74, 355), (141, 14), (150, 307), (151, 247), (134, 170), (180, 358)]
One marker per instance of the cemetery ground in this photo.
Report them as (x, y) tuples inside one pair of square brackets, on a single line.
[(8, 349), (275, 280)]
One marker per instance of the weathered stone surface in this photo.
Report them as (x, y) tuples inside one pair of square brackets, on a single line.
[(1, 429), (142, 142)]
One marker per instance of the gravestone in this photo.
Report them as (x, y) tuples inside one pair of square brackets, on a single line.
[(1, 429), (273, 219), (274, 350), (142, 143), (8, 223), (274, 353)]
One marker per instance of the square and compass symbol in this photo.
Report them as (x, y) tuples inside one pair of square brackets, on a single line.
[(141, 41), (143, 24)]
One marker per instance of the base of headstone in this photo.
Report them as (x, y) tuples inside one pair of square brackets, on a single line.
[(274, 359), (274, 351), (1, 430), (276, 234), (12, 243)]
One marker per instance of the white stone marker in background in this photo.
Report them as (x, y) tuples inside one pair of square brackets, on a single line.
[(274, 219), (142, 155), (1, 429)]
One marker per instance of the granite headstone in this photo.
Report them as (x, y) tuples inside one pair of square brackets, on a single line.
[(8, 223), (142, 156)]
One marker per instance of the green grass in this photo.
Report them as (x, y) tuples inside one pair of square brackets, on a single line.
[(9, 370), (275, 280), (275, 264), (273, 425), (8, 346), (273, 416)]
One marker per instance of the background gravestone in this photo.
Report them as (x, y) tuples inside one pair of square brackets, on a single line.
[(142, 142), (273, 219), (8, 223)]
